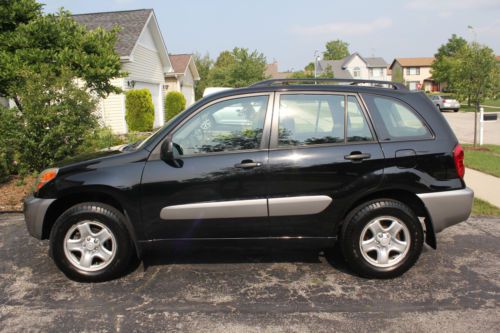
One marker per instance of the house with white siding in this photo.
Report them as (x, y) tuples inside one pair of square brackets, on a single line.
[(355, 66), (144, 57), (184, 76)]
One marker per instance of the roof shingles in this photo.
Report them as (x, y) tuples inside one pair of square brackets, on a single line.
[(180, 62), (415, 62), (131, 23)]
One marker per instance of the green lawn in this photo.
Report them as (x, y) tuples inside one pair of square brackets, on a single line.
[(483, 208), (492, 102), (485, 158), (466, 108)]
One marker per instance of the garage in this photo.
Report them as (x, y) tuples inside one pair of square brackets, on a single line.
[(157, 100), (188, 92)]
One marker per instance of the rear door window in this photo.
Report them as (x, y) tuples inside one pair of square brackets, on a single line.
[(310, 119), (394, 120)]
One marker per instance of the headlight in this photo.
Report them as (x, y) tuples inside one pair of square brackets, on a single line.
[(45, 177)]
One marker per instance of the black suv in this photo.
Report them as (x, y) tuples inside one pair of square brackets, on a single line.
[(367, 165)]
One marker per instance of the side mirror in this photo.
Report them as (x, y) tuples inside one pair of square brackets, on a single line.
[(167, 151)]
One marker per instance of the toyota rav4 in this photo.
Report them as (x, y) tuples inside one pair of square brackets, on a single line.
[(367, 165)]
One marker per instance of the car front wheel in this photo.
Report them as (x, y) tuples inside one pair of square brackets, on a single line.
[(89, 242), (381, 239)]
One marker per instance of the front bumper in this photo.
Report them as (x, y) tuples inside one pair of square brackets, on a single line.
[(447, 208), (34, 214)]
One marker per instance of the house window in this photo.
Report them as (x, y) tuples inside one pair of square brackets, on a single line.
[(413, 71), (356, 72)]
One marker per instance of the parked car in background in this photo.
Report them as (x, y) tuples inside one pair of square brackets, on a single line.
[(445, 102), (374, 169), (214, 90)]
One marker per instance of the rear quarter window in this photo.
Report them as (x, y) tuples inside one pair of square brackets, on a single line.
[(394, 120)]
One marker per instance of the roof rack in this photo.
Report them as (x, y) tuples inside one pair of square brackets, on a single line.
[(354, 82)]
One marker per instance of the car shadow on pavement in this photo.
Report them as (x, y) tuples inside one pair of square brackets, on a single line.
[(183, 254)]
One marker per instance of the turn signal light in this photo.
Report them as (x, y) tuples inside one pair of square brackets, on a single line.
[(45, 177)]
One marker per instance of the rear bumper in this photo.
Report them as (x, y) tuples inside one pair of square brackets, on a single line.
[(447, 208), (34, 214)]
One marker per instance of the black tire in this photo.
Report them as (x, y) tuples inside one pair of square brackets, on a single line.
[(106, 215), (439, 108), (455, 110), (355, 224)]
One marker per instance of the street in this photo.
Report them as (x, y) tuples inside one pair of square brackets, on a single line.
[(462, 124), (456, 288)]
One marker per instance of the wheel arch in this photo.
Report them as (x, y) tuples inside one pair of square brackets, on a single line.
[(408, 198), (65, 202)]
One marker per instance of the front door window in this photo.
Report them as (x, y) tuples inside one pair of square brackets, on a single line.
[(230, 125)]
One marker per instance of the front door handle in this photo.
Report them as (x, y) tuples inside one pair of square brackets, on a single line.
[(357, 156), (248, 164)]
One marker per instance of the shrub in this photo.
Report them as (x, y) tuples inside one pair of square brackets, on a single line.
[(140, 113), (175, 102), (99, 138), (55, 116), (8, 142)]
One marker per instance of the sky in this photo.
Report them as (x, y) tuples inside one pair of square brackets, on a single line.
[(290, 31)]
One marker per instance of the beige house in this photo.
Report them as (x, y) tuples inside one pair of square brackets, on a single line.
[(143, 56), (416, 73), (184, 76), (272, 72)]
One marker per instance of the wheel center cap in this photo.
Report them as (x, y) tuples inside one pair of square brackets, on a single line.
[(384, 238), (91, 244)]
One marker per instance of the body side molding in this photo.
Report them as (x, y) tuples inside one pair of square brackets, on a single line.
[(303, 205), (287, 206), (213, 210)]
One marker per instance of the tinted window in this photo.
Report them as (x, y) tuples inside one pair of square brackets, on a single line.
[(310, 119), (357, 127), (230, 125), (395, 120)]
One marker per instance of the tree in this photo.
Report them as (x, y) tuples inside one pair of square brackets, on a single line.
[(203, 64), (309, 68), (397, 74), (302, 75), (238, 68), (328, 73), (225, 59), (475, 74), (56, 41), (442, 66), (56, 115), (52, 68), (336, 49)]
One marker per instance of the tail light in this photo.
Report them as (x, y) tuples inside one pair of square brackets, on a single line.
[(458, 157), (445, 101)]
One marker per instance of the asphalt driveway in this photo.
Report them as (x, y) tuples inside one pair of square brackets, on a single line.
[(456, 288)]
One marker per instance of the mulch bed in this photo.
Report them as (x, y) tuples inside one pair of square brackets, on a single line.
[(13, 192)]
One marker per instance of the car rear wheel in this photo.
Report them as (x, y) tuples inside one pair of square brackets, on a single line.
[(381, 239), (89, 242)]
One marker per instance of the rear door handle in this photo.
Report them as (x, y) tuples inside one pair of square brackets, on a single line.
[(357, 156), (248, 164)]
